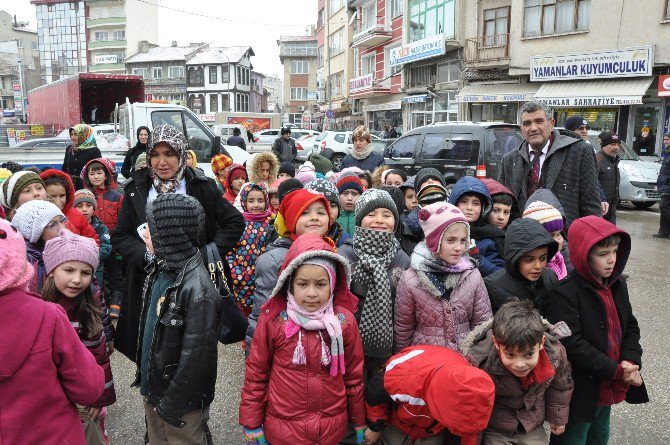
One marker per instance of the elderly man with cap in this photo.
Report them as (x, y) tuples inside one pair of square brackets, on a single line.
[(607, 162), (579, 125), (284, 146)]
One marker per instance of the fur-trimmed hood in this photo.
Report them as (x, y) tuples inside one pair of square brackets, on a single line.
[(253, 166)]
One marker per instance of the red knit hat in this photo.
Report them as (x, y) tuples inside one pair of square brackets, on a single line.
[(293, 206)]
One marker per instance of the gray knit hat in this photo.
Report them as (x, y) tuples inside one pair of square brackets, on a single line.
[(33, 216), (374, 199), (176, 224), (11, 188), (326, 188)]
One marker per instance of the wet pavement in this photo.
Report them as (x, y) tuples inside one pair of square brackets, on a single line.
[(649, 288)]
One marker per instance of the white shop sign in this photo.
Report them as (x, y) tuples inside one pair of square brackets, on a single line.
[(107, 58), (631, 62), (521, 97), (595, 101), (361, 83), (421, 49), (395, 105)]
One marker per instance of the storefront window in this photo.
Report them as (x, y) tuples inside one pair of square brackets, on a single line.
[(599, 119), (378, 119), (494, 112), (644, 130), (423, 113)]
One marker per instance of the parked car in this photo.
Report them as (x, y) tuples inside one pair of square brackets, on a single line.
[(335, 145), (305, 148), (99, 130), (454, 148), (269, 136)]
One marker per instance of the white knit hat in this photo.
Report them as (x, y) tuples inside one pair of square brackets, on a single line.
[(33, 216)]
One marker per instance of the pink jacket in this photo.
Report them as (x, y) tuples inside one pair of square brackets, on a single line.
[(423, 318), (44, 371), (557, 264)]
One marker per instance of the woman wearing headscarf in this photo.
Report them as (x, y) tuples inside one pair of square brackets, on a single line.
[(128, 167), (166, 172), (79, 153)]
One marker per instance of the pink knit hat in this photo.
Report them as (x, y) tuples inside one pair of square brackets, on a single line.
[(15, 272), (70, 247), (436, 218)]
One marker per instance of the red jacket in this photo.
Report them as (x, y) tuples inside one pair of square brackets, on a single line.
[(496, 188), (77, 223), (108, 199), (44, 371), (303, 404)]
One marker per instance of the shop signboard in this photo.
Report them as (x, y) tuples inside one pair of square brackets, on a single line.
[(105, 58), (251, 123), (208, 117), (395, 105), (421, 49), (37, 130), (595, 101), (415, 99), (630, 62), (11, 137), (664, 86), (520, 97), (362, 83)]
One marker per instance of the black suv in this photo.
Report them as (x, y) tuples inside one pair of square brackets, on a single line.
[(454, 148)]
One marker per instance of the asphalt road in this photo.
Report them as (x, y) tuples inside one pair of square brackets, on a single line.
[(649, 287)]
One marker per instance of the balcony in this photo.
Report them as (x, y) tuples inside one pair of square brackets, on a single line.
[(488, 51), (299, 50), (371, 36), (106, 21), (107, 44)]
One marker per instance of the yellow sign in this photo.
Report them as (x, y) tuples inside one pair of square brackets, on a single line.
[(37, 130), (21, 135)]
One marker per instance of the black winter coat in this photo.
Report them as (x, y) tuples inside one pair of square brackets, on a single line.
[(128, 166), (608, 176), (277, 149), (183, 356), (523, 235), (224, 225), (575, 299), (663, 182), (74, 163)]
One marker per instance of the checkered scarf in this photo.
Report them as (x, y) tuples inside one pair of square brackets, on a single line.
[(376, 251)]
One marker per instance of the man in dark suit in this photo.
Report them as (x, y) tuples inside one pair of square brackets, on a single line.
[(564, 164)]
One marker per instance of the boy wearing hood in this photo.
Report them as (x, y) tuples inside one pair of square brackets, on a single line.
[(604, 347), (548, 197), (528, 248)]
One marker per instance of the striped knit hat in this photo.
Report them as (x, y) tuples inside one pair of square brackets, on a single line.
[(176, 224), (546, 214), (350, 182), (12, 186), (84, 195), (431, 193)]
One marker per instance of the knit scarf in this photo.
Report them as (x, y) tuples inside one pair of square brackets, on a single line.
[(244, 193), (444, 276), (324, 318), (360, 155), (376, 251)]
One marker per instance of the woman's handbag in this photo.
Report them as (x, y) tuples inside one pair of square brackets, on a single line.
[(234, 324)]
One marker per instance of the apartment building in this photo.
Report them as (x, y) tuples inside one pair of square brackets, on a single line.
[(298, 55)]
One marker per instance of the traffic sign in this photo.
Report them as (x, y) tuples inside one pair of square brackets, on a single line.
[(330, 114)]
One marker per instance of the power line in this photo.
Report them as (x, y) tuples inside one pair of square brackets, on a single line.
[(222, 18)]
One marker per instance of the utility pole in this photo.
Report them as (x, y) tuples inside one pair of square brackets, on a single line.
[(327, 45), (23, 93)]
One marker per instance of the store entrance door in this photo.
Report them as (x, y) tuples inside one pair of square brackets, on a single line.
[(644, 128)]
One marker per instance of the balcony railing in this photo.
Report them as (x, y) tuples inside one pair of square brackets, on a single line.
[(297, 51), (487, 48), (371, 36)]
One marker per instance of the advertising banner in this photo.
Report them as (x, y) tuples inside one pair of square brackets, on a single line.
[(251, 123), (421, 49)]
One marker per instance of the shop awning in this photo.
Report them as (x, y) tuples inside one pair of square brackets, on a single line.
[(498, 92), (594, 93)]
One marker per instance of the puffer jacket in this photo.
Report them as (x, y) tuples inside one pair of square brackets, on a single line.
[(423, 317), (663, 182), (515, 409), (108, 199), (320, 405), (523, 235), (183, 356)]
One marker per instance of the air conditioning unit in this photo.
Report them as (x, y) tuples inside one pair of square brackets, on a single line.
[(301, 108)]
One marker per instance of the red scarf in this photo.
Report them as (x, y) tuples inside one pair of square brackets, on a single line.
[(541, 373)]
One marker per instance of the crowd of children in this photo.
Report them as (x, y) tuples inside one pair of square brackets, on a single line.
[(381, 308)]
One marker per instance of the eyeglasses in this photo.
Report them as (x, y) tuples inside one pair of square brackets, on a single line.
[(583, 127), (53, 225)]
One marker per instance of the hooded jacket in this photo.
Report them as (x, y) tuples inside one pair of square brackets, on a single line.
[(496, 188), (423, 317), (576, 302), (230, 195), (517, 409), (548, 197), (468, 184), (303, 405), (44, 370), (523, 235), (108, 199), (77, 223)]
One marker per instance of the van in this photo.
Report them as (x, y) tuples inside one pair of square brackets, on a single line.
[(456, 149), (226, 130)]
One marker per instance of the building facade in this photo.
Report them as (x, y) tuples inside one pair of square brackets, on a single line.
[(219, 79), (258, 96), (274, 86), (298, 55)]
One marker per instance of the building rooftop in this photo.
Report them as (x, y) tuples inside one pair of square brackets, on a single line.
[(161, 54), (229, 54), (284, 39)]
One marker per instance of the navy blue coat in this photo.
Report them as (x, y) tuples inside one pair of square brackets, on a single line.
[(663, 182)]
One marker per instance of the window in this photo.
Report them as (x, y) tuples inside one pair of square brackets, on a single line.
[(396, 7), (139, 72), (321, 18), (176, 72), (335, 5), (298, 93), (496, 26), (242, 75), (100, 36), (225, 74), (340, 137), (368, 64), (422, 75), (195, 76), (335, 43), (667, 10), (388, 70), (242, 102), (335, 82), (119, 35), (369, 15), (321, 56), (449, 71), (213, 103), (225, 102), (404, 147), (546, 17), (19, 43), (299, 67), (429, 18), (157, 72), (212, 74), (456, 147), (294, 118)]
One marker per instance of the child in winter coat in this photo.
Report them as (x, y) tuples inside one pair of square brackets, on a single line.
[(528, 364), (546, 195), (306, 173), (407, 189), (552, 220), (442, 296), (38, 221), (220, 163), (263, 167), (242, 259), (472, 197), (430, 186), (44, 366), (350, 188), (424, 395), (98, 177), (505, 207), (377, 262), (84, 201), (304, 376), (70, 261), (528, 248), (301, 211), (604, 347), (328, 189), (286, 170), (19, 188), (236, 177), (273, 196)]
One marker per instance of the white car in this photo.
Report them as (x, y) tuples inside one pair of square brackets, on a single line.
[(99, 130), (335, 145), (269, 136)]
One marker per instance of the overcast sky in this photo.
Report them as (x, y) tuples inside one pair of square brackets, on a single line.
[(257, 23)]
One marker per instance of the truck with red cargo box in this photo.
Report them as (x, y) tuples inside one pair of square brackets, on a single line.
[(69, 101)]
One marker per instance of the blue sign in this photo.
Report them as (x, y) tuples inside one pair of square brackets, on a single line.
[(415, 99), (330, 114), (8, 113)]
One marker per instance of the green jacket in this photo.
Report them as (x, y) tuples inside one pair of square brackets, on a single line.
[(347, 221)]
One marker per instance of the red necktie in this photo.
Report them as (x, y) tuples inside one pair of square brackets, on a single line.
[(534, 175)]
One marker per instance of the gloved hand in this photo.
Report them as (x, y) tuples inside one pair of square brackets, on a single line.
[(360, 434), (254, 437)]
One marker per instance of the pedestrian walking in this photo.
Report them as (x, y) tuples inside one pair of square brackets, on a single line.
[(284, 146), (663, 185), (237, 140), (607, 162)]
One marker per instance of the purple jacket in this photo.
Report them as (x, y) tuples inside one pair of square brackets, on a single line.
[(422, 317)]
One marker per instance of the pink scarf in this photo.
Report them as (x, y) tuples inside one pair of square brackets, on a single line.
[(323, 318), (557, 264), (244, 193)]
